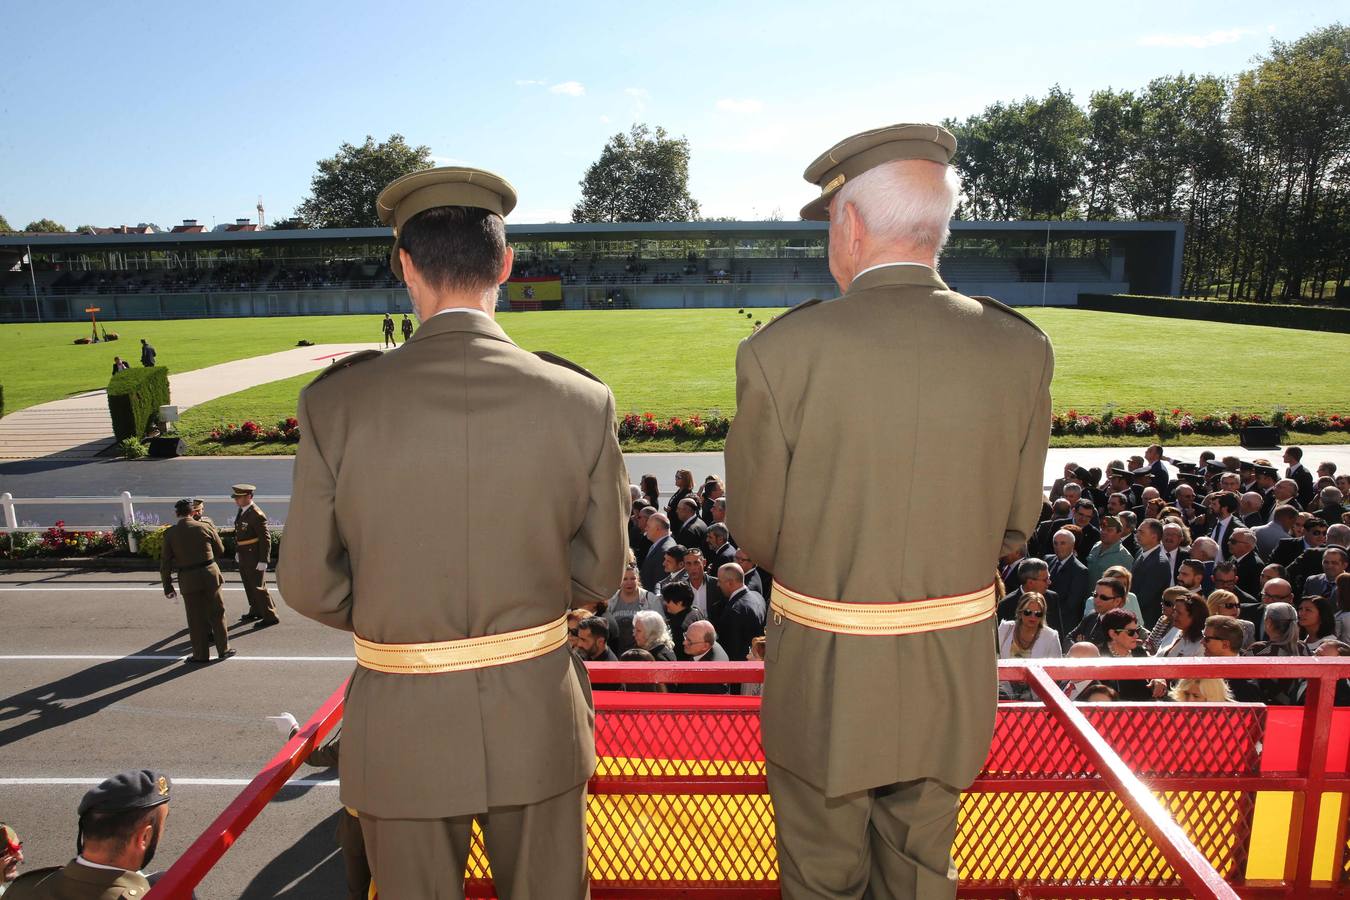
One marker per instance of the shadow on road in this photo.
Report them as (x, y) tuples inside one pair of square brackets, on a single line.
[(92, 690), (311, 867)]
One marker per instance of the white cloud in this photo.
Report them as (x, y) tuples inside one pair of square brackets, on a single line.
[(570, 88), (1197, 41), (604, 120), (529, 82), (739, 105)]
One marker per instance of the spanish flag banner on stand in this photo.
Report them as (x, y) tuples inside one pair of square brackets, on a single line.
[(535, 293)]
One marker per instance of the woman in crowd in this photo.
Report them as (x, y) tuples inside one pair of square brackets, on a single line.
[(636, 655), (684, 487), (757, 647), (677, 599), (1226, 603), (1316, 621), (1282, 639), (1187, 635), (1098, 693), (1124, 638), (1026, 637), (651, 491), (1154, 641), (1131, 601), (1201, 690), (651, 634), (629, 600)]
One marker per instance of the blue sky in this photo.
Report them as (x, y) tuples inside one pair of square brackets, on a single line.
[(115, 113)]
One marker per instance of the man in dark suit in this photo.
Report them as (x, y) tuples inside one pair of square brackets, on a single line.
[(1162, 479), (1223, 637), (718, 547), (691, 532), (1242, 551), (1276, 590), (1226, 579), (1060, 513), (1290, 549), (756, 579), (1035, 579), (652, 569), (708, 597), (1225, 508), (701, 645), (1173, 538), (1109, 594), (1068, 575), (742, 616), (1152, 573), (1085, 517)]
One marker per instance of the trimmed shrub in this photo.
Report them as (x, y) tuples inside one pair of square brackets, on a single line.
[(134, 398), (132, 448), (1275, 315), (152, 544)]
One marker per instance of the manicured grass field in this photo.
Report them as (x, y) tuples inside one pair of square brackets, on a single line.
[(676, 362)]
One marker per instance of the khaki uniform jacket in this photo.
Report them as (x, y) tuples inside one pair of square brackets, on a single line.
[(865, 427), (458, 486), (251, 523), (76, 881), (188, 542)]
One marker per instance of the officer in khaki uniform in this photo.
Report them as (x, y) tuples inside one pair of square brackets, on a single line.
[(121, 822), (191, 548), (253, 546), (859, 422), (466, 701)]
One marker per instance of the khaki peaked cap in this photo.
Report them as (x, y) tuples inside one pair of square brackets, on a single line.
[(855, 155), (417, 192)]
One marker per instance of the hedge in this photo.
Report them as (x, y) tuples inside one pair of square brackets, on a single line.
[(2, 401), (134, 399), (1275, 315)]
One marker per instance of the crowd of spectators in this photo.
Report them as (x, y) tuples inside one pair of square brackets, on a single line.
[(1221, 558), (688, 594), (227, 276)]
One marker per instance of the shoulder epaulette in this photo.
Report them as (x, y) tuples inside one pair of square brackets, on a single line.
[(785, 313), (347, 362), (565, 363), (1003, 307)]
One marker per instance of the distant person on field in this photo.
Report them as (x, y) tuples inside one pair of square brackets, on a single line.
[(407, 327), (388, 326), (147, 354), (120, 364)]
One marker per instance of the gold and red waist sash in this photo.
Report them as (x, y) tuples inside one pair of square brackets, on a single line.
[(483, 652), (907, 617)]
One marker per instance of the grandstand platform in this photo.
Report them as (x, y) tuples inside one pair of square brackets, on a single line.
[(632, 265)]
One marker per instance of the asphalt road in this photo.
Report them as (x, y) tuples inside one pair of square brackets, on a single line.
[(93, 683)]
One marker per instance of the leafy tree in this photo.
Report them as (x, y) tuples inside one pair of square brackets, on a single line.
[(85, 229), (4, 226), (1113, 121), (45, 226), (343, 191), (642, 176)]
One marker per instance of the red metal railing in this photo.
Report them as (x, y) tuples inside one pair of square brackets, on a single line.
[(1182, 776)]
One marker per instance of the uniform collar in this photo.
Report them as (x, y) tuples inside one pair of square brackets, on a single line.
[(482, 325), (891, 274)]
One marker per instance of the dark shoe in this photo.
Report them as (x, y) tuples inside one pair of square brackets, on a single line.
[(249, 617), (266, 622), (227, 654), (194, 661)]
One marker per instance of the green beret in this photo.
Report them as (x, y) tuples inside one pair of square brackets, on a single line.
[(130, 790), (855, 155)]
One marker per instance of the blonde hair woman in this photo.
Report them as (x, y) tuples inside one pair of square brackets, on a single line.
[(1201, 690), (1226, 603)]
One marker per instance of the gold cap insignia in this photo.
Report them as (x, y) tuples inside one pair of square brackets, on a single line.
[(162, 785), (834, 183)]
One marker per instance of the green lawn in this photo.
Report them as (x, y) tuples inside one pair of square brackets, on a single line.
[(676, 362)]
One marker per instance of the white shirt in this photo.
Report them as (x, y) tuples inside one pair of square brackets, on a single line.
[(884, 265), (459, 309), (701, 596), (93, 865)]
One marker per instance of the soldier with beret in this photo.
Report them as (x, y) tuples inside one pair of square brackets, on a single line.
[(120, 825), (253, 547), (881, 685), (459, 616), (191, 548)]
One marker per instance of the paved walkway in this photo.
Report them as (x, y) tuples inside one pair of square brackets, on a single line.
[(79, 427)]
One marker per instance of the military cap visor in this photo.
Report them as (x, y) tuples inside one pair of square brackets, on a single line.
[(141, 789), (417, 192), (241, 490), (855, 155)]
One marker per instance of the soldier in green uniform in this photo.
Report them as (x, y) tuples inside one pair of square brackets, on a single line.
[(191, 548), (466, 701), (253, 547), (859, 423), (121, 822), (199, 513)]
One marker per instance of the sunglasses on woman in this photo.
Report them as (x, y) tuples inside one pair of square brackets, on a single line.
[(1033, 614)]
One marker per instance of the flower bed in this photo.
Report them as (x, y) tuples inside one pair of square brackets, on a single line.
[(57, 542), (286, 431), (1180, 422), (645, 426)]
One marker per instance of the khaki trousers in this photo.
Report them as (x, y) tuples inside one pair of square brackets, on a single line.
[(255, 586), (888, 842), (537, 852), (205, 620), (353, 856)]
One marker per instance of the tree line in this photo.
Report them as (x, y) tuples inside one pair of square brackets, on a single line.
[(1256, 165)]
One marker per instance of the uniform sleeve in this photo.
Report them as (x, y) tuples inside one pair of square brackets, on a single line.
[(1029, 490), (757, 460), (314, 573), (217, 545), (166, 562), (597, 549), (326, 756)]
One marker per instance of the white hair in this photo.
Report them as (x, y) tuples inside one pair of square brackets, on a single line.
[(902, 201), (653, 628)]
